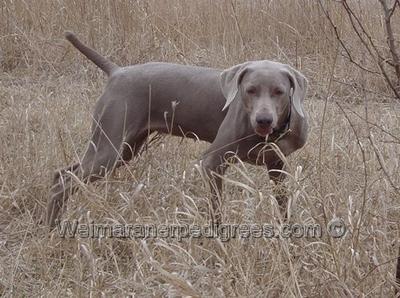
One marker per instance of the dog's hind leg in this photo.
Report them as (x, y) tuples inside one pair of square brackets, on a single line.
[(101, 157)]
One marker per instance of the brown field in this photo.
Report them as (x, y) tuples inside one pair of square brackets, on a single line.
[(348, 169)]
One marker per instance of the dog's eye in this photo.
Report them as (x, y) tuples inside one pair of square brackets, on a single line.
[(277, 92), (251, 90)]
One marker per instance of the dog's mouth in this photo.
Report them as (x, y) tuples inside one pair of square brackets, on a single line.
[(263, 131)]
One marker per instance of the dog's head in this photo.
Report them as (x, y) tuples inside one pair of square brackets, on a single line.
[(267, 90)]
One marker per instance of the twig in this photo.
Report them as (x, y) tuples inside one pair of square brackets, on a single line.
[(394, 7), (352, 16), (373, 269), (237, 25), (382, 164), (357, 234), (376, 125), (390, 38), (363, 89), (340, 40), (323, 117)]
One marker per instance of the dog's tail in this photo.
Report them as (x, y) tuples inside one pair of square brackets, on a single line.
[(106, 65)]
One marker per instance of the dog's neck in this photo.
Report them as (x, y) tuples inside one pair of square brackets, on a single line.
[(284, 128)]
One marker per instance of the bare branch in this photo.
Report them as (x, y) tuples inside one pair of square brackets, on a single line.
[(389, 82), (397, 139), (394, 7), (364, 159), (367, 44), (381, 162), (390, 38), (398, 269), (349, 56), (356, 86), (352, 16)]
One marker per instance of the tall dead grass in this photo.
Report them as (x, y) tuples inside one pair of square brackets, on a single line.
[(47, 91)]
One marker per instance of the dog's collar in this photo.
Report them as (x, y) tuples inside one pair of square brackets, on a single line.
[(284, 129)]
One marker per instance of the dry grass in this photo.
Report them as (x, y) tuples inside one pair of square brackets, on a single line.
[(47, 91)]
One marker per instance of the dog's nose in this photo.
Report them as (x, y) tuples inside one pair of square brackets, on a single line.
[(264, 120)]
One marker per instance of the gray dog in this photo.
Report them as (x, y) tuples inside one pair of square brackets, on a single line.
[(236, 110)]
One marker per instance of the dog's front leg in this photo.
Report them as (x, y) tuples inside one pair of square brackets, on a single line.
[(213, 167), (278, 176)]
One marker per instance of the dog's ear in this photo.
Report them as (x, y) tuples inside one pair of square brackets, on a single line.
[(299, 85), (230, 80)]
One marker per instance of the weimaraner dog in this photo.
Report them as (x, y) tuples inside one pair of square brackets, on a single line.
[(237, 110)]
